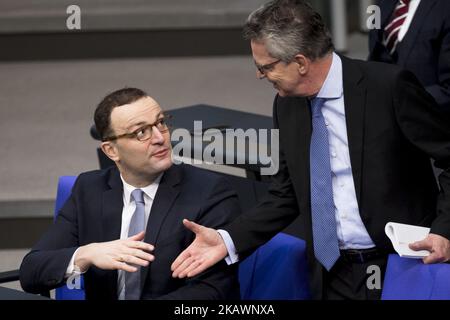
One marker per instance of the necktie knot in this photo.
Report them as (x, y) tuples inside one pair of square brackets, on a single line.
[(405, 2), (138, 196), (316, 107)]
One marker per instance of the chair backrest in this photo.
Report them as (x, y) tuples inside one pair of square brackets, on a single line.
[(276, 271), (65, 185), (411, 279)]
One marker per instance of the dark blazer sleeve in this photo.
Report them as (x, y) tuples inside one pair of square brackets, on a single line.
[(44, 267), (275, 212), (441, 90), (429, 131), (220, 281)]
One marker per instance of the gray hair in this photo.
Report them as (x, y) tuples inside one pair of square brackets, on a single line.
[(287, 28)]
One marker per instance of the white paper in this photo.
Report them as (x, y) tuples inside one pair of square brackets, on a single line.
[(401, 235)]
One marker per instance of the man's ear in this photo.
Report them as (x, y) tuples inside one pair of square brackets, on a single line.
[(110, 150), (303, 64)]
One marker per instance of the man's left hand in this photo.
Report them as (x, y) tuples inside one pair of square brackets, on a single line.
[(438, 246)]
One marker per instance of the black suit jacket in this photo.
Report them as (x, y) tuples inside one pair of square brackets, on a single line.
[(425, 48), (93, 213), (393, 129)]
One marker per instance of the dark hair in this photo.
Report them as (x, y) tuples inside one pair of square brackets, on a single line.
[(102, 115), (287, 28)]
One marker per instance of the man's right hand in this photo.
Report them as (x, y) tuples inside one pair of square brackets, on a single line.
[(207, 249), (115, 255)]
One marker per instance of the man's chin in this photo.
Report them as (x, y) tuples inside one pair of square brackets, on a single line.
[(165, 163), (281, 93)]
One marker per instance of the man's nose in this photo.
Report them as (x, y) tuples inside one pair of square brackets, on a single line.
[(157, 136)]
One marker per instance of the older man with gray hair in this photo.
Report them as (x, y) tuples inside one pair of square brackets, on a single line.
[(355, 143)]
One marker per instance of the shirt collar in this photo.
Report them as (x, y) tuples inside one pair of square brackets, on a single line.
[(149, 191), (332, 87)]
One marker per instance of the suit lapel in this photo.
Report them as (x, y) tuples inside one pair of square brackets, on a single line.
[(407, 44), (387, 8), (377, 50), (112, 205), (303, 127), (168, 191), (355, 102), (294, 119)]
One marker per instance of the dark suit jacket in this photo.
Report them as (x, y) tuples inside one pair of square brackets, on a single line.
[(425, 48), (93, 213), (393, 129)]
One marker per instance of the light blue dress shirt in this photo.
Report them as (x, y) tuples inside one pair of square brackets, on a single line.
[(351, 232)]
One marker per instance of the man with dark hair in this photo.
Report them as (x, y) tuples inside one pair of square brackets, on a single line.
[(355, 143), (121, 227)]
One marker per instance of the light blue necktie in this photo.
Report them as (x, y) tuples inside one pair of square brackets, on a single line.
[(326, 248), (137, 224)]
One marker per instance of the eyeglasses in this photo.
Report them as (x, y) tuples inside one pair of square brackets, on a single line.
[(266, 67), (145, 132)]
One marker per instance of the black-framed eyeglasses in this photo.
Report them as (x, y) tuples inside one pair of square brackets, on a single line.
[(145, 132), (266, 67)]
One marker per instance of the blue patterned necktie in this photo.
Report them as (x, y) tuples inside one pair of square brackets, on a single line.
[(326, 248), (137, 224)]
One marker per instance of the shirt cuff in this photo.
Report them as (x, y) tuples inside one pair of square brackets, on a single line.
[(232, 257), (72, 268)]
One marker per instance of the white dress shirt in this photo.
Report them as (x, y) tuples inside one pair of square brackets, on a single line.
[(127, 213)]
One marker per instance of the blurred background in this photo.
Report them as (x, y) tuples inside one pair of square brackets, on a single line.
[(182, 52)]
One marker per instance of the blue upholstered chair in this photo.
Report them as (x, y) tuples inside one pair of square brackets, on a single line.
[(65, 185), (411, 279), (276, 271)]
